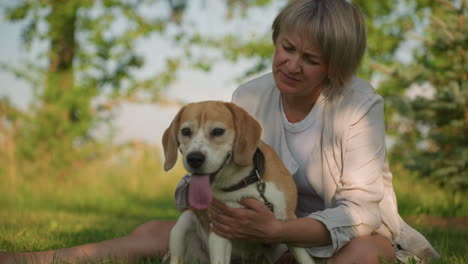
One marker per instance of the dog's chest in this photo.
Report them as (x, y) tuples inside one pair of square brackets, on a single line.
[(272, 194)]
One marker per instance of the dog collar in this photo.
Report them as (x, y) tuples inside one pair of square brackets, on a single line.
[(255, 176)]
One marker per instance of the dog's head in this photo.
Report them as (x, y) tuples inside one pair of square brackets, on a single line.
[(209, 134)]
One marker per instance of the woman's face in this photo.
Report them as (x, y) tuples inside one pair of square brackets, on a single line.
[(298, 65)]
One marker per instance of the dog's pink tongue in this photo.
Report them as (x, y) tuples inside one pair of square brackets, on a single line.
[(200, 192)]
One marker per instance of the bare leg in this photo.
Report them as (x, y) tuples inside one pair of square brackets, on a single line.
[(362, 250), (365, 250), (148, 240)]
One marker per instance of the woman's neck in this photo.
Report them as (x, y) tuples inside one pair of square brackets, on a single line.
[(296, 108)]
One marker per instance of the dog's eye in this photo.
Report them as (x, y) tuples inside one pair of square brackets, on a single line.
[(186, 132), (217, 132)]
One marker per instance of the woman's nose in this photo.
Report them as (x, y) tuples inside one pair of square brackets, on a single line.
[(294, 64)]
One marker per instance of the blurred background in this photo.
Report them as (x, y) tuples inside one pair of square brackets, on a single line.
[(88, 87)]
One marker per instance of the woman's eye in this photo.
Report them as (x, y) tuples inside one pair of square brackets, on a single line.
[(186, 132), (311, 61), (287, 48), (217, 132)]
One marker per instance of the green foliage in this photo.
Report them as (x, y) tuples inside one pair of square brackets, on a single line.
[(90, 55), (431, 127)]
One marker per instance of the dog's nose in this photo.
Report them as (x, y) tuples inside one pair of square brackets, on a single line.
[(195, 159)]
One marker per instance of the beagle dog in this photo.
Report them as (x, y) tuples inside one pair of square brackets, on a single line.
[(221, 148)]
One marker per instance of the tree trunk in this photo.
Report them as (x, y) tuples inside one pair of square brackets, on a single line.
[(62, 28)]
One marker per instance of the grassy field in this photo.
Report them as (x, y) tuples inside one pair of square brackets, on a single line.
[(109, 197)]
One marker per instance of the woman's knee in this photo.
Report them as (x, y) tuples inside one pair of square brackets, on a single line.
[(154, 227), (367, 249)]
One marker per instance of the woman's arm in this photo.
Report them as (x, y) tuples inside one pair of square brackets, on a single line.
[(355, 210), (257, 223)]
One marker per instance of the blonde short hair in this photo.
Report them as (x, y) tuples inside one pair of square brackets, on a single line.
[(336, 26)]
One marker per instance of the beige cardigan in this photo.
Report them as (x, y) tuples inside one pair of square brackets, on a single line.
[(350, 167)]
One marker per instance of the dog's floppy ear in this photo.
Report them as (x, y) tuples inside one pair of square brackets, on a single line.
[(170, 142), (248, 132)]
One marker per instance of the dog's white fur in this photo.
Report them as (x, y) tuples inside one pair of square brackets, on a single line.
[(231, 154)]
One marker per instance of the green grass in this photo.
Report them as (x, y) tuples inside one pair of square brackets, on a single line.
[(95, 201), (422, 197), (430, 209), (108, 198)]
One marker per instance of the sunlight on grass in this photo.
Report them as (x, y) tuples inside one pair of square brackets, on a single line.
[(102, 199)]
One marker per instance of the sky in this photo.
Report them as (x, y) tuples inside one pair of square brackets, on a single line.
[(143, 121)]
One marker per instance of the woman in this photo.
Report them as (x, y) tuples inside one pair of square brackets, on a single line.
[(328, 128)]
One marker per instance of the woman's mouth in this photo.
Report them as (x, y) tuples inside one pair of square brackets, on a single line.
[(287, 78)]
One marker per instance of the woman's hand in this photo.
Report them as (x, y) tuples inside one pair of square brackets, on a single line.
[(255, 222)]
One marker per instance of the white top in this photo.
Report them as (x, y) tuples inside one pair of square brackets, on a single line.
[(301, 138)]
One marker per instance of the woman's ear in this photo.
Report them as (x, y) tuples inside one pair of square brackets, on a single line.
[(170, 142), (248, 132)]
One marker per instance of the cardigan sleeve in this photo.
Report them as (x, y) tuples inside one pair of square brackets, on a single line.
[(181, 193), (355, 210)]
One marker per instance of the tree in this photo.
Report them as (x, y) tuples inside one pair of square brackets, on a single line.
[(90, 54), (431, 127), (9, 119)]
